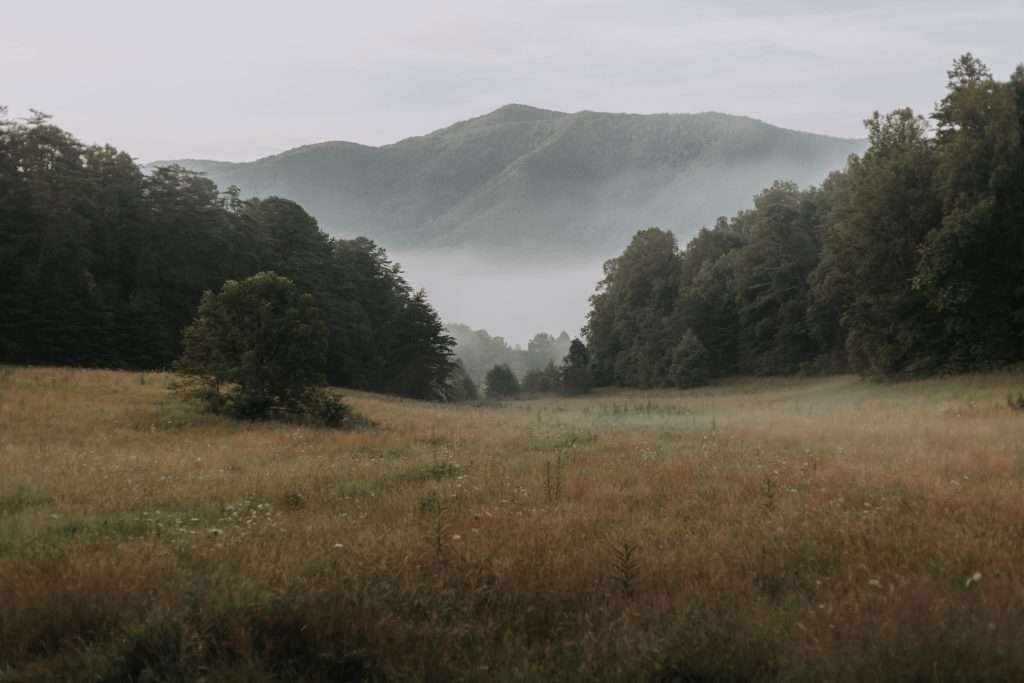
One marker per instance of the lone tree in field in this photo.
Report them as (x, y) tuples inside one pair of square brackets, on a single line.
[(501, 382), (256, 349)]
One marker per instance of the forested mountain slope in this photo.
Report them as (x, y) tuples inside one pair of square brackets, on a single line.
[(522, 179)]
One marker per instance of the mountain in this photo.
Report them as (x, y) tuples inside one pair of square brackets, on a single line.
[(527, 181)]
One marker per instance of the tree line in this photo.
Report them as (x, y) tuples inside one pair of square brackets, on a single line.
[(909, 261), (104, 264), (571, 377), (479, 351)]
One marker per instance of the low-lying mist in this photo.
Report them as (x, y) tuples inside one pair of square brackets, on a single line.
[(513, 300)]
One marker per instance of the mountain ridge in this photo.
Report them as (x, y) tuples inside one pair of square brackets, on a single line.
[(523, 179), (499, 110)]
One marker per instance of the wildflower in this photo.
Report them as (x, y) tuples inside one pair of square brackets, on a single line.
[(972, 579)]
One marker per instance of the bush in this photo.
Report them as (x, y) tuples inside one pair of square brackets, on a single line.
[(256, 350), (328, 409), (501, 383)]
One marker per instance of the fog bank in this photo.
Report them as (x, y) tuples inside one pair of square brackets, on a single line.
[(511, 300)]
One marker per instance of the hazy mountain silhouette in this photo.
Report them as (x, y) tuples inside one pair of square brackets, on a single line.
[(527, 181)]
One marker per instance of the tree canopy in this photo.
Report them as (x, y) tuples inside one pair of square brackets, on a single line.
[(501, 383), (257, 348), (103, 264), (909, 261)]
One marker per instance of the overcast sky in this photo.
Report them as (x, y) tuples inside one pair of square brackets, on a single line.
[(238, 80)]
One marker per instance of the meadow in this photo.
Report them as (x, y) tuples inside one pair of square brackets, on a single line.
[(793, 529)]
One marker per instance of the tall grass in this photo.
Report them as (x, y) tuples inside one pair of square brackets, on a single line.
[(825, 529)]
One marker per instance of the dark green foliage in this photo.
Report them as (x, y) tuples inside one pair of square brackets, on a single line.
[(910, 261), (882, 210), (101, 265), (631, 321), (971, 265), (461, 386), (547, 380), (534, 382), (771, 281), (576, 376), (394, 340), (690, 362), (256, 349), (323, 407), (501, 383)]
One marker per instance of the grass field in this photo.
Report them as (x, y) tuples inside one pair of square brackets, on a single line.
[(803, 529)]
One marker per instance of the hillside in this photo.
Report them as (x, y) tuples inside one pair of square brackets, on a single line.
[(520, 179)]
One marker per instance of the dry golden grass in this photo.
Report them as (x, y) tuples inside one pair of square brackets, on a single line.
[(803, 529)]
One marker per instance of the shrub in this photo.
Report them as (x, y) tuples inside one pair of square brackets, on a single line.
[(326, 408)]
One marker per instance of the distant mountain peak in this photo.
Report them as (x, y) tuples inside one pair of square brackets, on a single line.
[(531, 181), (509, 114), (514, 113)]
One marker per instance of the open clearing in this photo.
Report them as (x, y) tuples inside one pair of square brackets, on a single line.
[(797, 529)]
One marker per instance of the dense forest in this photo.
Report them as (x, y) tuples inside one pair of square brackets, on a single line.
[(102, 264), (910, 261)]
